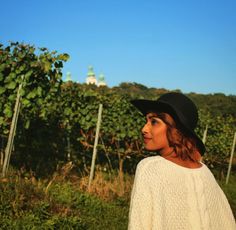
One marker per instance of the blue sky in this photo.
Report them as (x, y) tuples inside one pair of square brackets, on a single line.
[(186, 44)]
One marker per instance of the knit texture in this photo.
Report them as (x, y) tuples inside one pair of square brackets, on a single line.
[(166, 196)]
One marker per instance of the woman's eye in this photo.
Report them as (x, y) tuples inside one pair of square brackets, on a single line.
[(154, 121)]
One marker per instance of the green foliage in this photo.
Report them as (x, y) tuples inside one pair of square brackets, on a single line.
[(102, 215), (57, 121), (219, 138), (67, 124), (62, 193), (94, 213), (230, 190), (216, 104), (38, 71), (26, 205)]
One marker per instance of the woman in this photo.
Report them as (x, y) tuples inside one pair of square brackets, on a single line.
[(175, 190)]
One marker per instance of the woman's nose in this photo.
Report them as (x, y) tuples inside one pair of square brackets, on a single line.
[(145, 129)]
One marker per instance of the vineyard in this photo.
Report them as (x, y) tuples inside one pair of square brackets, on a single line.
[(57, 123)]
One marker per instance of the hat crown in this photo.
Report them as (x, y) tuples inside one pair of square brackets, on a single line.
[(183, 107)]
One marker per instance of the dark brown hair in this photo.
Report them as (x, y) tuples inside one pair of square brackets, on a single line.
[(183, 143)]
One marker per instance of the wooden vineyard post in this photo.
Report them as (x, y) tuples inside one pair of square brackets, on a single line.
[(95, 145), (231, 159), (205, 135), (12, 132)]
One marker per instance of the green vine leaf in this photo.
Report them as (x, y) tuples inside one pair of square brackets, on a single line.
[(11, 85), (8, 112), (2, 90)]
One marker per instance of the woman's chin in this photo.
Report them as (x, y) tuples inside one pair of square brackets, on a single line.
[(150, 149)]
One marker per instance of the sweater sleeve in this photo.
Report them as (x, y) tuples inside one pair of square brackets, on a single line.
[(140, 213)]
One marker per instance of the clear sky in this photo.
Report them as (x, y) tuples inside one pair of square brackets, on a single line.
[(173, 44)]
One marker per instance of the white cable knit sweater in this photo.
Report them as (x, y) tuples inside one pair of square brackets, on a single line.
[(168, 196)]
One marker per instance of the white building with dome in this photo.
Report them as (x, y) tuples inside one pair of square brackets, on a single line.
[(91, 78)]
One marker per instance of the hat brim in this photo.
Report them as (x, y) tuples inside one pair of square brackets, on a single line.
[(147, 106)]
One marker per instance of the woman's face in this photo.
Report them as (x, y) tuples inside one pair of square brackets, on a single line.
[(154, 134)]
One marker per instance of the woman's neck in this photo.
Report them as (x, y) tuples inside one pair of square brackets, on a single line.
[(185, 163), (173, 157), (167, 153)]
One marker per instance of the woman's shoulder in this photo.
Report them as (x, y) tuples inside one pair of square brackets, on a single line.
[(148, 168), (148, 162)]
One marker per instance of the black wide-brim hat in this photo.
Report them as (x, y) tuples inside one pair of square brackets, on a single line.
[(180, 107)]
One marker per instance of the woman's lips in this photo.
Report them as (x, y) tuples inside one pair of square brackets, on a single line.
[(146, 140)]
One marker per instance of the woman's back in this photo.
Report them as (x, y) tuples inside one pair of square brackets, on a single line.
[(174, 197)]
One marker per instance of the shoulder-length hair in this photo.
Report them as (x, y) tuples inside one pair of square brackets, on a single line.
[(183, 143)]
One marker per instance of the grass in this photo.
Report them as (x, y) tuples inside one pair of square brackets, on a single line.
[(230, 191), (60, 203)]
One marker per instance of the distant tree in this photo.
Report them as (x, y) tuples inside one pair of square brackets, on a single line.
[(216, 104)]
